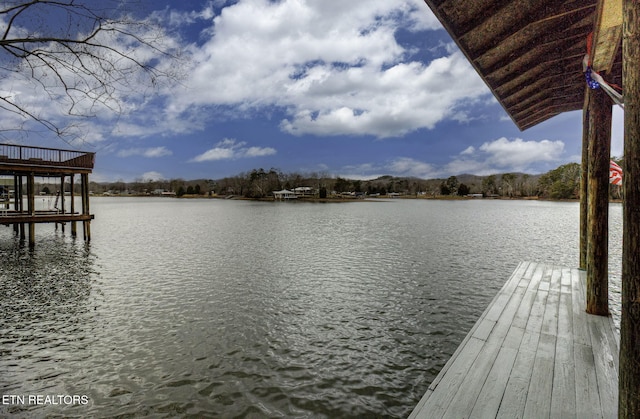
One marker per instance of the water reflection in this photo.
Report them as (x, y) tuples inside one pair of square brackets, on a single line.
[(46, 305)]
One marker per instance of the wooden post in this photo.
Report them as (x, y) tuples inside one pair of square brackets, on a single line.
[(629, 376), (86, 225), (16, 206), (74, 231), (584, 189), (62, 199), (31, 207), (599, 111), (21, 205)]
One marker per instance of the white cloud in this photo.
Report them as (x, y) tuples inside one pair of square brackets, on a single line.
[(400, 166), (152, 152), (521, 153), (229, 149), (406, 166), (469, 150), (503, 154), (150, 176), (336, 67)]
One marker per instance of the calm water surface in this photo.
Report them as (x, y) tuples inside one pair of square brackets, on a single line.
[(248, 309)]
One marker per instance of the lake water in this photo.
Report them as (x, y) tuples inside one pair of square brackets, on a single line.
[(221, 308)]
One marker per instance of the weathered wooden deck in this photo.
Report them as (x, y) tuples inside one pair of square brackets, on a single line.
[(533, 353)]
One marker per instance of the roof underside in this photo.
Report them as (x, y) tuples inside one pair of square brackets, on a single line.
[(529, 52)]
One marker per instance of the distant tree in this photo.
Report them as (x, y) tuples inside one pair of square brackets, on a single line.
[(342, 185), (180, 191), (257, 184), (357, 186), (323, 192), (190, 190), (197, 190), (489, 186), (508, 184), (444, 189), (463, 190), (525, 188), (452, 184), (274, 177), (46, 190), (561, 183)]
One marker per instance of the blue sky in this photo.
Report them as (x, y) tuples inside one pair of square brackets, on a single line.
[(358, 89)]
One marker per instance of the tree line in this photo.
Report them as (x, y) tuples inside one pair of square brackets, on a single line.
[(560, 183)]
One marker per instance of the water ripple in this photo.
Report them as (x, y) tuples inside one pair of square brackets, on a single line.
[(244, 309)]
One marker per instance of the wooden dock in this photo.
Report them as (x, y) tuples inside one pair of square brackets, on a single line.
[(533, 353), (25, 162)]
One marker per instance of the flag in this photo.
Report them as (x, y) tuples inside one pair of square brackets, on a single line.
[(615, 173)]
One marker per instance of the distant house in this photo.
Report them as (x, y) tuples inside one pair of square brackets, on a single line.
[(304, 191), (162, 192), (284, 195)]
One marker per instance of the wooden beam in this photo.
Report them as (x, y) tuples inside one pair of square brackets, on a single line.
[(629, 384), (607, 35), (44, 218), (599, 109)]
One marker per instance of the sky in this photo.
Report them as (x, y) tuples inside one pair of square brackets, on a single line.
[(357, 89)]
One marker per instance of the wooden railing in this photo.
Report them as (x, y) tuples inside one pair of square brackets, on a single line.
[(42, 156)]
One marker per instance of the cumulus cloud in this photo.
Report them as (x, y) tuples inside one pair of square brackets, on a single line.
[(399, 166), (506, 155), (151, 176), (333, 67), (152, 152), (229, 149), (406, 166), (521, 153)]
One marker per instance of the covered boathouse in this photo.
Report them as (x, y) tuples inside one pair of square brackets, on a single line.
[(22, 164), (545, 346)]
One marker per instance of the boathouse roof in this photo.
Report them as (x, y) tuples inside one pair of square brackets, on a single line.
[(529, 52)]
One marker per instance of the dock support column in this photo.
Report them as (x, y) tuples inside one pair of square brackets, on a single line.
[(74, 231), (629, 376), (16, 194), (62, 199), (86, 225), (31, 207), (20, 205), (599, 109), (584, 189)]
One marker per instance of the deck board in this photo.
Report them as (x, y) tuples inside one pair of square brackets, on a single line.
[(533, 353)]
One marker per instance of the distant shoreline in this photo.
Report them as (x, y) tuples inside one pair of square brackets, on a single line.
[(381, 198)]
